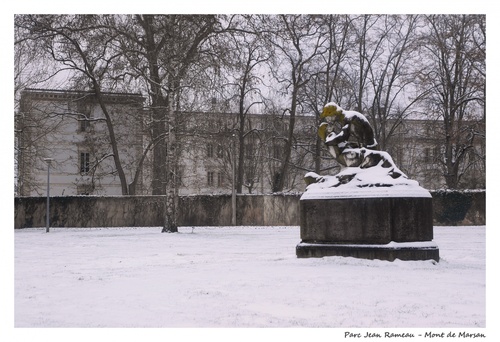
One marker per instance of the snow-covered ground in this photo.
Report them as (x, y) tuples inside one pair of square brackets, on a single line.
[(239, 277)]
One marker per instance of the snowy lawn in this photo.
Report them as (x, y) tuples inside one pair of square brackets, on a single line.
[(239, 277)]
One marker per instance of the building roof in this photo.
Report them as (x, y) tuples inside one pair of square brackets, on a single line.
[(57, 94)]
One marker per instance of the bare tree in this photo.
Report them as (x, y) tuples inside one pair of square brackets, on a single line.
[(244, 87), (161, 52), (392, 77), (369, 41), (296, 39), (454, 45), (371, 63), (31, 68), (328, 82), (83, 45)]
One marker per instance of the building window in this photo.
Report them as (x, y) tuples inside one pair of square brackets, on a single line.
[(220, 151), (84, 115), (210, 150), (437, 153), (277, 152), (84, 162), (220, 179), (427, 155), (249, 151), (84, 124), (210, 178)]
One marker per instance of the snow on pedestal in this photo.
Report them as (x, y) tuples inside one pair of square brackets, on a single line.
[(354, 182), (368, 210), (373, 213)]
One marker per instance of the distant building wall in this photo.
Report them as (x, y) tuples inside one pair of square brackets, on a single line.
[(450, 208), (70, 127)]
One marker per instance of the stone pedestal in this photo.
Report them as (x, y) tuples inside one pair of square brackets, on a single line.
[(384, 224)]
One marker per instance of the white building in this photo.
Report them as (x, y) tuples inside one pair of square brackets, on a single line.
[(210, 148), (69, 127)]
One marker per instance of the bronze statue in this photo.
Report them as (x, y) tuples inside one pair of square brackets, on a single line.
[(354, 147), (355, 133)]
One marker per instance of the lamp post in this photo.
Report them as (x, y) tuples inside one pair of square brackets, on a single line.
[(48, 161), (233, 194)]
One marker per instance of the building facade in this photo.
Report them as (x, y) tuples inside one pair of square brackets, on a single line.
[(70, 127), (210, 152)]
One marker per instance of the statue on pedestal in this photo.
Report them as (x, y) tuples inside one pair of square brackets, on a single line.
[(354, 146), (370, 209)]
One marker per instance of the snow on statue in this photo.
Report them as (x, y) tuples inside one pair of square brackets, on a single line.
[(356, 150)]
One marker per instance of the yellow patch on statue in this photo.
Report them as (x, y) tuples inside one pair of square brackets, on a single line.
[(331, 111), (322, 131)]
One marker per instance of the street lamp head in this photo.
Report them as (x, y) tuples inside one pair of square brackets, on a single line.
[(48, 160)]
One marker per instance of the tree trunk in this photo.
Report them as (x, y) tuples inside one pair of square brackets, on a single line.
[(159, 158), (283, 171), (112, 136), (241, 155), (158, 109), (171, 198)]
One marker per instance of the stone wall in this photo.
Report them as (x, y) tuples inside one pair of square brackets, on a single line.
[(453, 207), (450, 208)]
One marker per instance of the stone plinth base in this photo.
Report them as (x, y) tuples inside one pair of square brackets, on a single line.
[(389, 252), (366, 220), (382, 223)]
